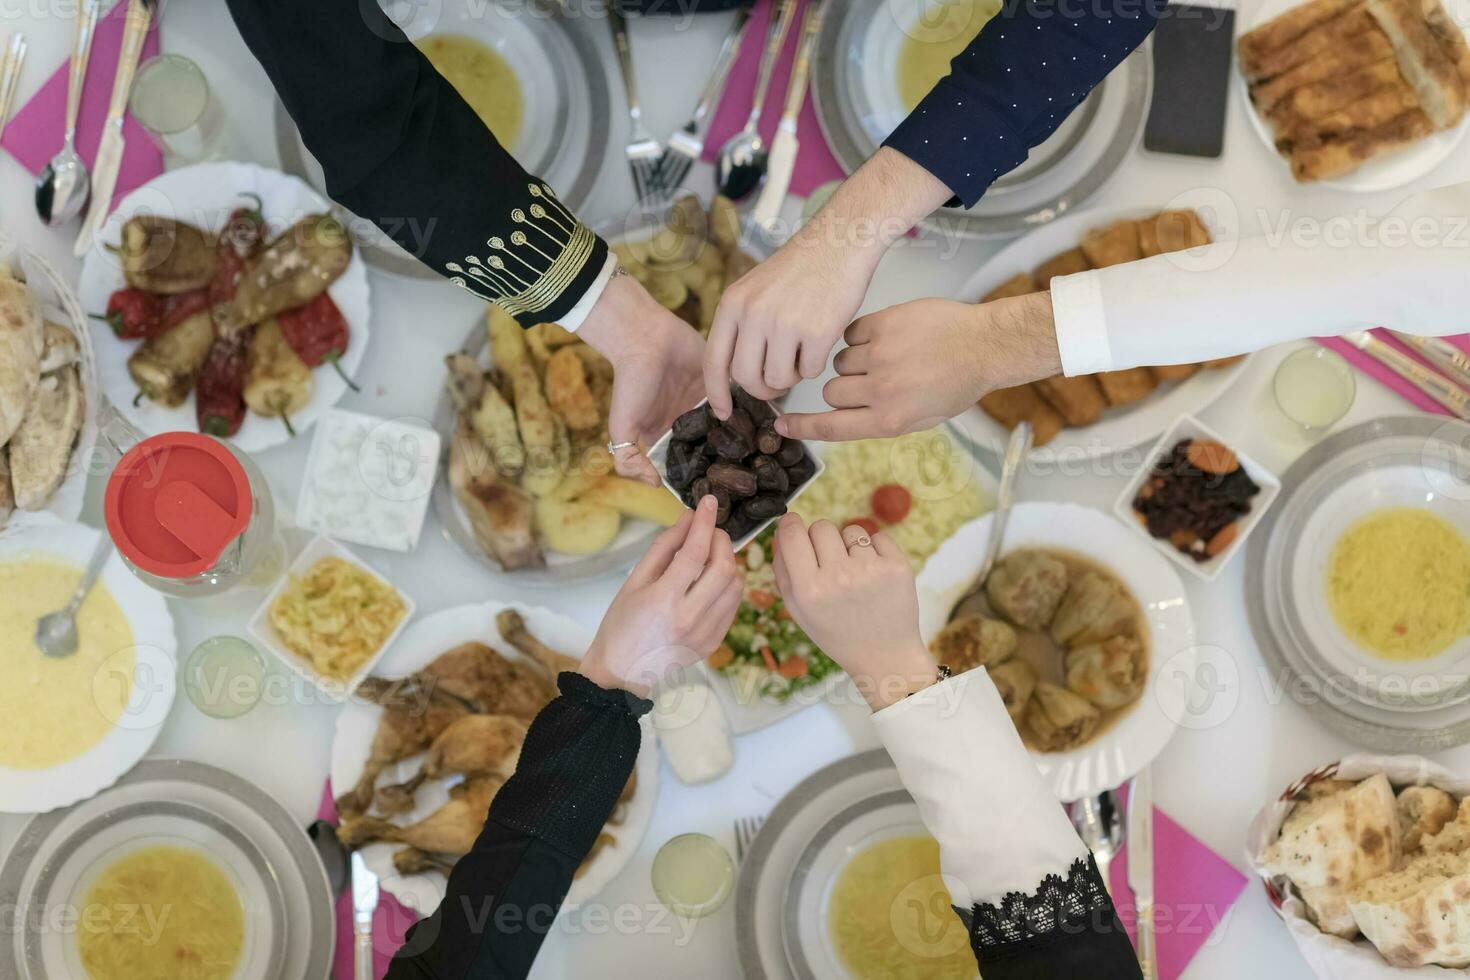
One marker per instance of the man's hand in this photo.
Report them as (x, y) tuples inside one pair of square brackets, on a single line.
[(656, 359), (780, 321), (914, 365)]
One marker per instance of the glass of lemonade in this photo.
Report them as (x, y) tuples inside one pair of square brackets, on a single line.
[(172, 100), (1314, 387), (224, 676), (693, 875)]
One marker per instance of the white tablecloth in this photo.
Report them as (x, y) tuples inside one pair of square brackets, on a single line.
[(1211, 781)]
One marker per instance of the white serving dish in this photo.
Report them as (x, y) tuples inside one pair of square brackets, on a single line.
[(425, 641), (1189, 427), (204, 195), (261, 629), (153, 683), (395, 462), (659, 454), (1132, 741)]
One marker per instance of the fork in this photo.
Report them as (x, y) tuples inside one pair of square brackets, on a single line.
[(687, 144), (746, 829), (643, 151)]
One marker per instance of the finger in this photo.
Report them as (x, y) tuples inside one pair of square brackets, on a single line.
[(721, 613), (862, 330), (848, 423), (853, 360), (827, 543), (688, 562), (857, 542), (847, 392), (656, 559), (780, 368), (748, 367), (718, 351), (794, 549), (719, 572), (633, 464), (812, 359), (888, 548), (783, 580)]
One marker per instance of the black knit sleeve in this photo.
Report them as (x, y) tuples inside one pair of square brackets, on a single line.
[(400, 147), (1067, 928), (503, 896)]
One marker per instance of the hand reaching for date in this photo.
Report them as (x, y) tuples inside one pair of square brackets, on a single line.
[(674, 608)]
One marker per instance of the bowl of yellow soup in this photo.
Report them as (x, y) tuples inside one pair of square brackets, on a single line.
[(69, 727)]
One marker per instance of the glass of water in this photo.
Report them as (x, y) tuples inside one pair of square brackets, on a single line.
[(172, 100)]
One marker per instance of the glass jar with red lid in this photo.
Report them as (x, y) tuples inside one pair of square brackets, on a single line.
[(193, 516)]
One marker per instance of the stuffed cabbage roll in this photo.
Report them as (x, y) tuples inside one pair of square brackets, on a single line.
[(1095, 608), (1015, 680), (1110, 674), (1026, 587), (1058, 719), (973, 641)]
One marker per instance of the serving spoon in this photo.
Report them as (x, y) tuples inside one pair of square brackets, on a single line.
[(64, 186), (56, 633), (1016, 450), (743, 158)]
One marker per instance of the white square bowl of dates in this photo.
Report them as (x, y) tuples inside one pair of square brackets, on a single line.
[(753, 471)]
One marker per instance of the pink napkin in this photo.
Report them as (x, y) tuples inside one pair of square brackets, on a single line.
[(390, 925), (34, 134), (815, 164), (1194, 889), (1384, 375)]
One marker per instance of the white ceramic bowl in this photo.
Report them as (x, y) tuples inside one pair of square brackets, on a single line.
[(1131, 742), (260, 626), (1189, 427)]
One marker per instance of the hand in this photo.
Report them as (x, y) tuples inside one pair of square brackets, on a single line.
[(916, 364), (780, 321), (674, 608), (656, 359), (855, 597)]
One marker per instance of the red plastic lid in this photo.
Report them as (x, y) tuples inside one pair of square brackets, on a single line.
[(175, 502)]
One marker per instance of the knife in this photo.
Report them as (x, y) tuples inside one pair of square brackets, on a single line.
[(1141, 869), (782, 162), (1444, 391), (1441, 353), (364, 904), (110, 147)]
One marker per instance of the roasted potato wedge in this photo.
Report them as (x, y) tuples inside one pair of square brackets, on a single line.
[(576, 527)]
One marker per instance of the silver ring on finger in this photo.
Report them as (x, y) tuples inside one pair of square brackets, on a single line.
[(613, 448), (855, 537)]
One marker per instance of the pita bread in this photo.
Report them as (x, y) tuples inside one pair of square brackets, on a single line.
[(41, 446), (21, 343), (1329, 846), (1453, 837), (1423, 811), (1420, 915)]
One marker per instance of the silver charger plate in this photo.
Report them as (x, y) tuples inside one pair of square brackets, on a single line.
[(1397, 707), (564, 64), (283, 886), (855, 89)]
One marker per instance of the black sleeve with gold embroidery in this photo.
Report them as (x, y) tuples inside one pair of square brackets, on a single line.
[(400, 147)]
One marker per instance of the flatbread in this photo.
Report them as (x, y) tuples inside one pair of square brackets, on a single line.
[(21, 344), (1419, 915)]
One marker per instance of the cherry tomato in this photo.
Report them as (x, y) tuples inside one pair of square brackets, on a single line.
[(891, 503), (760, 599), (792, 668), (866, 523)]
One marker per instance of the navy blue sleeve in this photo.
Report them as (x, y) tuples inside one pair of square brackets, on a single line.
[(1026, 70)]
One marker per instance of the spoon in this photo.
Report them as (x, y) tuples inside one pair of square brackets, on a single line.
[(332, 851), (1099, 822), (63, 187), (742, 165), (56, 633), (1016, 451)]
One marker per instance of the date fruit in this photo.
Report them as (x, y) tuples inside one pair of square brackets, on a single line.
[(768, 440), (737, 481), (694, 424), (769, 475)]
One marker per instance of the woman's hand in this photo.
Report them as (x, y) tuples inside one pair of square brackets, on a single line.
[(673, 610), (913, 365), (657, 362), (855, 597)]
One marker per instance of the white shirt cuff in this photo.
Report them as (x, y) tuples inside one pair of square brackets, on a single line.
[(578, 313), (1081, 324), (999, 827)]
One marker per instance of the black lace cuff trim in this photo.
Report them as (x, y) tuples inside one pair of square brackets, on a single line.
[(1058, 905)]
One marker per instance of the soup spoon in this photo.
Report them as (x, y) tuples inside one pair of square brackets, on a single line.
[(63, 187), (743, 158), (56, 633), (1016, 451), (1099, 822)]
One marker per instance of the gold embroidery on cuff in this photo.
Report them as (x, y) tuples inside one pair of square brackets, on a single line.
[(527, 271)]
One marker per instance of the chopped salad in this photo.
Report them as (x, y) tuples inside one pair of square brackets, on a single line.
[(765, 654)]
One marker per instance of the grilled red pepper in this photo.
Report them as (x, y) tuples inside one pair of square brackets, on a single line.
[(219, 401), (318, 333), (137, 315)]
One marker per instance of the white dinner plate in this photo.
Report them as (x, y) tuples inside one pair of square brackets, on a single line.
[(1131, 742), (1385, 173), (152, 691), (423, 641), (204, 195), (1119, 428)]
